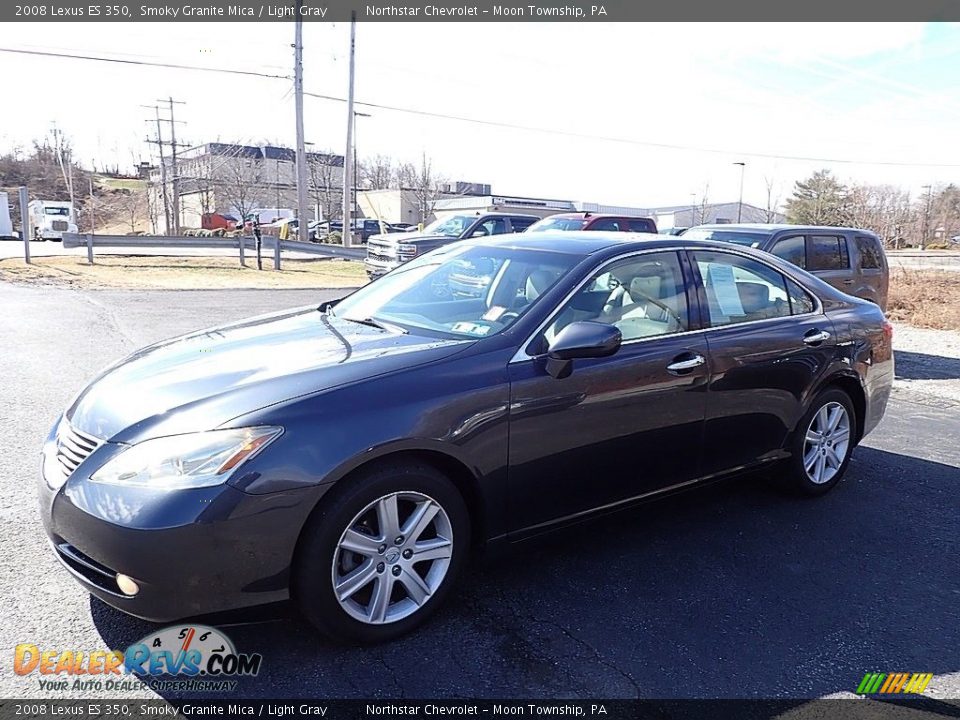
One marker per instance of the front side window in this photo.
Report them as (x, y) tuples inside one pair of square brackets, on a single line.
[(460, 291), (607, 224), (827, 252), (493, 226), (869, 253), (642, 296), (740, 289), (642, 225), (792, 249), (520, 224)]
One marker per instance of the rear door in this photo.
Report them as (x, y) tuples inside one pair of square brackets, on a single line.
[(828, 257), (768, 344)]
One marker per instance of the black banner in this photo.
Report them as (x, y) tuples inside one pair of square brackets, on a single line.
[(476, 11), (917, 707)]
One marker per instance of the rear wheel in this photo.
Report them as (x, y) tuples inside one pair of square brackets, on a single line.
[(822, 444), (380, 557)]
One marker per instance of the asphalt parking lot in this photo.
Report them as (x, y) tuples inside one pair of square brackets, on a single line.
[(731, 591)]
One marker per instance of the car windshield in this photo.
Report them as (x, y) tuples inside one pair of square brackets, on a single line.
[(557, 223), (459, 291), (452, 226), (738, 237), (56, 211)]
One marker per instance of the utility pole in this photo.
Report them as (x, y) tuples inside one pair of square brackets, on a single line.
[(65, 169), (159, 142), (175, 205), (926, 216), (743, 167), (348, 154), (303, 219)]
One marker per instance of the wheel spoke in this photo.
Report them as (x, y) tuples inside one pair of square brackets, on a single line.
[(840, 436), (835, 414), (810, 459), (834, 459), (355, 580), (380, 600), (418, 521), (388, 517), (433, 549), (821, 464), (813, 436), (823, 419), (359, 543), (416, 588)]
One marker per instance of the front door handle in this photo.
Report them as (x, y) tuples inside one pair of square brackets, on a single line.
[(815, 337), (689, 362), (848, 281)]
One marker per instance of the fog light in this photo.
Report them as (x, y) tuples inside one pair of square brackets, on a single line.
[(127, 584)]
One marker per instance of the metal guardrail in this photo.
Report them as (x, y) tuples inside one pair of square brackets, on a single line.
[(241, 244)]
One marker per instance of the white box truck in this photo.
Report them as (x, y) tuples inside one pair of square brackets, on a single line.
[(6, 228), (50, 219)]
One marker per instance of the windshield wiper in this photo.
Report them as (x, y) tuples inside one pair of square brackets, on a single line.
[(374, 322)]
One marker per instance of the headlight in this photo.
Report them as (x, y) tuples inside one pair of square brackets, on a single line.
[(406, 251), (185, 461)]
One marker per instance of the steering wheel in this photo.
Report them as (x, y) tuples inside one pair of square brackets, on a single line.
[(508, 316)]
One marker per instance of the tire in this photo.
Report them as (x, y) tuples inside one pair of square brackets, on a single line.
[(821, 445), (353, 515)]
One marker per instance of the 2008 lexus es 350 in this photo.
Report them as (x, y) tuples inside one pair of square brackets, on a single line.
[(348, 457)]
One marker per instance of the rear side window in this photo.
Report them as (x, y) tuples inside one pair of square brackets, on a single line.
[(793, 250), (607, 224), (800, 300), (828, 252), (740, 289), (641, 225), (869, 253)]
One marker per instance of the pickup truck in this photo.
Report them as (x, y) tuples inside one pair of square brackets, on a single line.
[(388, 251)]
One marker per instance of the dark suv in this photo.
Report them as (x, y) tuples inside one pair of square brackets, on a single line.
[(849, 259), (592, 221), (387, 251)]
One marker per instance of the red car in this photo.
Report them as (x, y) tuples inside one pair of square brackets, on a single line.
[(591, 221)]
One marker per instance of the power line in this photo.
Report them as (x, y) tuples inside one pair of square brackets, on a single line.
[(497, 123), (148, 63)]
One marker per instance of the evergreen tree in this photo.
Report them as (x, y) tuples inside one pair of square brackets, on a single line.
[(821, 199)]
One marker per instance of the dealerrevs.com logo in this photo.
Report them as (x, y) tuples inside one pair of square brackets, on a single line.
[(198, 657), (894, 683)]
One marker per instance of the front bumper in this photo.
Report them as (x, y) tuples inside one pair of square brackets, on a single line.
[(192, 552)]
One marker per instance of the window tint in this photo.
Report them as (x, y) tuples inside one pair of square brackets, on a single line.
[(642, 296), (740, 289), (828, 252), (869, 253), (493, 226), (606, 224), (792, 249), (520, 224), (642, 225), (738, 237), (800, 300)]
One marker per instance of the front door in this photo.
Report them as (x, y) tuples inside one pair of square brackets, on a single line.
[(617, 427)]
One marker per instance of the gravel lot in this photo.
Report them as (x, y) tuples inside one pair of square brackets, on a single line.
[(732, 591)]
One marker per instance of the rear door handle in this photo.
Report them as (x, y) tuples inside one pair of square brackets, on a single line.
[(690, 361), (815, 337)]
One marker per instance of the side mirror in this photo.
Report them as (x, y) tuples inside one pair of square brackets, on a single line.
[(585, 339)]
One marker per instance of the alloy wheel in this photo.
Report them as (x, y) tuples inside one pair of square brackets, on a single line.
[(827, 443), (392, 557)]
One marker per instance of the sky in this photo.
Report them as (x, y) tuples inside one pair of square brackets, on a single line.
[(641, 115)]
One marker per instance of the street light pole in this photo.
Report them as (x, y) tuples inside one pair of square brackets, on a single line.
[(926, 216), (743, 167)]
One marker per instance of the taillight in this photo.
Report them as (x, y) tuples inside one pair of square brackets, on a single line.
[(887, 330)]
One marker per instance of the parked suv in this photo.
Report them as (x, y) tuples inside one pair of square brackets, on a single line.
[(387, 251), (591, 221), (849, 259)]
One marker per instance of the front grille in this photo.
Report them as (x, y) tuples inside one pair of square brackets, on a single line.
[(59, 225), (73, 447), (380, 257), (88, 568)]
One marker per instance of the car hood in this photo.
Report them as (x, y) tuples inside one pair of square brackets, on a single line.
[(201, 381), (396, 238)]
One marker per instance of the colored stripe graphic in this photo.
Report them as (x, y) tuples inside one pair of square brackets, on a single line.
[(893, 683)]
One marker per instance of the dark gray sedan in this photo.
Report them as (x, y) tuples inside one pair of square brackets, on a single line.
[(348, 456)]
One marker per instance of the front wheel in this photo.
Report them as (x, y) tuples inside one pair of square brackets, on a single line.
[(381, 556), (822, 444)]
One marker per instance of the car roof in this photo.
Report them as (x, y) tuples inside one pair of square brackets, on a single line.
[(583, 215), (777, 227), (498, 214), (588, 242)]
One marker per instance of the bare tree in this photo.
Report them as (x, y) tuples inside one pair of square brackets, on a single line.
[(704, 205), (424, 184), (242, 181), (377, 173), (773, 199), (326, 179), (130, 206)]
